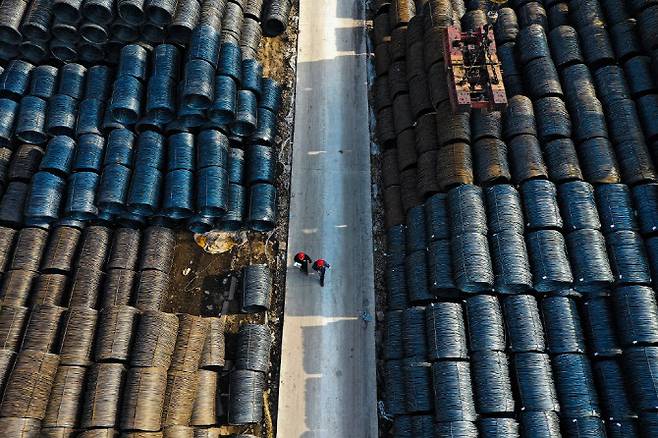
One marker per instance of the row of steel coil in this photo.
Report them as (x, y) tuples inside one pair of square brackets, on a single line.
[(86, 347), (521, 246), (94, 31), (209, 162)]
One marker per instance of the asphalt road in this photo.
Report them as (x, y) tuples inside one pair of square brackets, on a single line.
[(327, 384)]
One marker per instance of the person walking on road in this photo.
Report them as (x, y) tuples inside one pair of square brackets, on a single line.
[(321, 266), (303, 260)]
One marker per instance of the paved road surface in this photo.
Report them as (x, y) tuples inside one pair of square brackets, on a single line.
[(327, 386)]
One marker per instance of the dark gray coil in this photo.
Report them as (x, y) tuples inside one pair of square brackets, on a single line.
[(199, 224), (126, 102), (472, 266), (118, 287), (624, 36), (252, 33), (540, 424), (113, 188), (640, 365), (393, 211), (455, 429), (5, 157), (98, 11), (416, 237), (600, 327), (645, 197), (85, 287), (417, 277), (440, 273), (542, 79), (534, 382), (455, 127), (12, 324), (177, 202), (16, 286), (131, 11), (61, 250), (524, 327), (213, 356), (65, 399), (246, 397), (31, 121), (598, 160), (426, 173), (628, 258), (636, 315), (133, 62), (396, 288), (41, 328), (417, 385), (508, 60), (577, 77), (562, 325), (473, 19), (638, 72), (466, 208), (453, 393), (436, 217), (486, 124), (109, 124), (15, 78), (623, 428), (151, 290), (589, 260), (491, 161), (253, 348), (14, 200), (90, 117), (626, 126), (648, 108), (540, 205), (124, 33), (143, 399), (12, 15), (575, 386), (8, 113), (95, 243), (198, 84), (276, 13), (33, 51), (506, 27), (256, 288), (261, 165), (160, 99), (585, 427), (72, 80), (114, 333), (565, 46), (596, 46), (80, 200), (446, 332), (91, 52), (158, 249), (36, 21), (510, 263), (615, 208), (99, 83), (144, 192), (212, 150), (246, 116), (205, 45), (385, 129), (485, 324), (184, 21), (533, 44), (553, 120), (393, 334), (93, 34), (548, 260), (253, 8), (491, 381), (395, 245), (7, 237), (608, 375), (223, 108), (266, 127), (212, 191), (29, 249), (413, 333), (25, 162), (504, 209), (237, 207), (577, 206), (43, 81), (587, 12), (262, 207), (532, 13), (232, 22), (181, 152), (77, 334), (271, 95), (89, 153), (519, 117), (119, 148), (422, 426), (437, 85), (652, 251), (611, 84), (498, 427), (160, 12)]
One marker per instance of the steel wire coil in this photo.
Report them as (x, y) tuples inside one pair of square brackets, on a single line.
[(192, 332), (5, 157), (253, 348), (396, 288), (596, 46), (246, 397), (534, 382), (446, 332), (246, 116), (397, 79), (98, 83), (16, 286), (577, 206), (160, 99), (533, 44), (542, 79), (486, 124), (177, 202), (466, 209), (589, 260), (394, 401), (541, 424), (553, 121), (498, 427), (262, 207), (126, 101), (180, 152), (61, 249), (118, 287), (90, 117), (119, 149), (638, 73), (213, 353), (625, 40), (519, 117), (420, 97), (628, 258), (417, 377), (453, 393), (158, 249), (611, 84), (532, 13), (625, 126), (271, 95), (647, 106), (623, 428), (261, 164), (43, 81), (89, 153), (585, 426), (510, 263), (13, 319), (504, 209), (599, 164), (565, 46), (548, 260), (507, 55), (212, 150), (152, 286), (600, 327), (91, 52), (10, 26), (65, 398), (72, 80), (440, 272), (506, 27), (133, 61), (236, 210), (265, 127), (179, 400), (640, 366), (615, 404), (413, 333), (636, 315), (437, 86), (395, 245), (145, 191), (562, 325), (587, 12), (485, 324), (472, 268), (455, 127), (426, 133), (7, 238), (125, 33), (113, 188), (81, 196), (204, 410), (455, 429), (492, 384), (198, 84), (652, 251), (8, 114), (276, 13), (85, 287), (212, 191), (77, 336), (232, 22), (125, 249), (588, 118), (473, 19), (256, 288), (615, 208), (414, 57), (393, 211), (154, 340), (540, 205), (393, 332), (184, 20), (14, 201), (103, 395), (25, 162), (199, 224), (31, 120), (205, 45), (63, 51), (143, 399), (252, 33), (223, 108), (29, 249), (93, 250), (36, 21), (114, 333), (15, 78), (416, 274), (436, 217), (524, 327), (575, 386), (415, 232), (491, 161), (41, 328), (384, 129), (93, 34)]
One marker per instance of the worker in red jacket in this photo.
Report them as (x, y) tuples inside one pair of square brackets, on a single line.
[(303, 260), (321, 266)]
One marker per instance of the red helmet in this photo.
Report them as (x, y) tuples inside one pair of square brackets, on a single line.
[(300, 256), (320, 263)]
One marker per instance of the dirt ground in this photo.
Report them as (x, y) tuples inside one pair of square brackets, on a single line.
[(201, 282)]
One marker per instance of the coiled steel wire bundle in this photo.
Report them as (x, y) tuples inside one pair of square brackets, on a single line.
[(436, 217), (636, 315), (93, 35), (262, 207), (534, 382), (542, 78), (8, 114), (614, 401), (598, 160), (36, 21), (118, 287), (596, 46), (575, 386), (455, 127), (246, 397), (126, 101), (600, 327), (143, 399), (413, 333), (89, 153), (12, 13), (540, 205), (645, 198), (77, 334), (41, 328), (577, 206), (212, 191), (486, 125), (446, 332), (548, 260), (466, 208), (453, 393), (562, 325), (587, 12), (544, 424), (251, 35), (491, 165), (553, 120), (29, 249), (85, 287), (25, 162), (253, 348), (114, 333), (119, 149), (198, 84), (276, 13), (472, 268), (125, 249), (415, 231), (29, 384), (589, 260), (396, 287), (7, 237), (624, 36), (93, 251), (638, 73), (180, 152), (495, 427), (524, 327), (461, 429), (43, 81), (628, 258), (394, 401), (232, 23), (65, 397), (160, 99), (145, 190), (261, 164), (212, 356), (417, 385), (440, 274), (510, 263), (504, 209), (102, 395), (625, 126), (179, 400), (223, 109), (622, 428), (31, 120), (640, 366), (246, 116), (154, 340), (14, 79), (256, 288), (533, 44), (417, 277), (393, 326), (90, 117), (532, 13), (506, 27), (513, 80), (192, 331), (426, 174), (184, 21), (205, 45), (44, 199), (615, 208), (98, 83), (29, 426), (133, 62), (12, 323), (205, 407), (491, 381), (113, 188), (13, 202), (565, 46), (212, 149), (585, 426), (16, 286), (81, 196), (177, 200), (588, 119), (237, 208), (406, 150), (152, 286), (266, 128), (72, 80), (611, 84), (519, 117), (562, 161), (525, 156)]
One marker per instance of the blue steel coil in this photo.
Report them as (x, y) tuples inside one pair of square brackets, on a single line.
[(14, 79), (144, 192), (90, 117), (124, 33), (212, 149), (588, 118), (265, 128), (133, 61), (615, 208), (246, 397), (453, 392), (72, 80), (413, 333), (184, 21), (417, 385), (540, 424), (58, 158), (652, 252), (261, 166), (109, 123), (198, 85), (160, 97), (99, 83), (542, 79), (45, 197), (628, 258), (589, 261), (526, 159), (126, 101), (417, 277), (416, 237), (472, 267), (600, 327), (252, 76), (119, 148), (13, 203), (212, 192), (24, 162), (131, 11), (436, 217), (540, 205), (396, 287), (178, 197), (641, 367), (498, 427), (236, 211), (491, 165), (81, 197), (393, 322), (422, 426), (230, 62), (524, 327), (456, 429), (564, 333), (565, 46), (199, 224), (440, 273), (8, 114), (402, 426), (533, 44), (62, 114), (645, 197), (98, 11), (189, 118), (504, 209), (595, 42), (223, 108), (624, 428), (548, 260), (625, 40), (491, 382), (625, 126), (236, 166), (519, 117), (636, 315), (466, 208), (611, 84), (205, 45), (256, 295), (575, 386), (640, 79), (394, 403), (486, 331), (166, 59), (635, 162), (91, 53), (446, 332), (160, 12), (395, 245), (150, 151), (585, 427), (587, 12), (33, 51), (508, 60), (271, 95), (43, 81), (93, 35), (598, 161), (553, 119), (510, 263), (534, 382), (246, 115), (577, 206), (149, 123), (31, 121), (614, 401), (89, 154), (562, 160), (180, 152)]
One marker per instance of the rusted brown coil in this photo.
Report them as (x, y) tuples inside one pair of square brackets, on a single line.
[(118, 288), (41, 328), (454, 166), (12, 323), (16, 286), (192, 331), (22, 427), (152, 287), (114, 333), (49, 289), (102, 395), (28, 387), (212, 356), (125, 249), (179, 432), (7, 358), (158, 249), (7, 237), (78, 329), (155, 340), (211, 432), (204, 412), (58, 432), (61, 250), (99, 433), (29, 249), (86, 287), (142, 435), (65, 397), (94, 247), (179, 397), (143, 399)]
